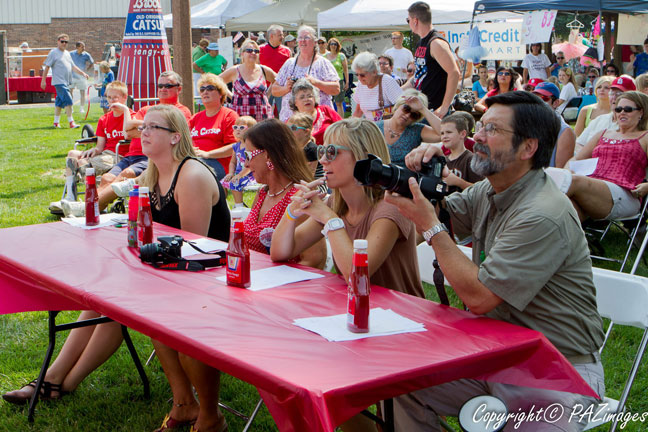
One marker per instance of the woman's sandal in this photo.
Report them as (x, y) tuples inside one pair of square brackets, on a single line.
[(169, 423), (21, 397), (222, 427)]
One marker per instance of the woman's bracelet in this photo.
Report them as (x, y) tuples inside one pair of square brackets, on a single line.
[(290, 215)]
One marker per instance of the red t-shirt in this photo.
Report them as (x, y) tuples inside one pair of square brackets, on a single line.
[(469, 143), (325, 117), (274, 58), (112, 129), (135, 148), (210, 133)]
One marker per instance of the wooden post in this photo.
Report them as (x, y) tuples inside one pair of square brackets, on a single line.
[(3, 94), (181, 11)]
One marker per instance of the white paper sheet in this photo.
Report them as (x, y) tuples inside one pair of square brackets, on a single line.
[(382, 322), (208, 245), (583, 167), (104, 221), (276, 276)]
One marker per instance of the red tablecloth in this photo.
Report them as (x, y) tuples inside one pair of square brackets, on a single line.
[(29, 84), (308, 383)]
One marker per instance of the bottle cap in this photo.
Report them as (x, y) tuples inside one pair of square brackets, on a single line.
[(143, 190), (90, 172), (133, 193), (237, 213), (135, 186), (360, 244)]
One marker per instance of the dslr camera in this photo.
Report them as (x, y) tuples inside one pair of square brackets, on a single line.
[(394, 178), (166, 250)]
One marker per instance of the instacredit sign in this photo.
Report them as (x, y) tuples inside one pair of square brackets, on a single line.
[(503, 41)]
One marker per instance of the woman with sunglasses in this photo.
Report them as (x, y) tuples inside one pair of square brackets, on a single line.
[(375, 93), (602, 105), (339, 62), (504, 82), (403, 132), (612, 70), (351, 212), (275, 159), (211, 129), (310, 65), (304, 98), (612, 191), (568, 88), (561, 61), (249, 86)]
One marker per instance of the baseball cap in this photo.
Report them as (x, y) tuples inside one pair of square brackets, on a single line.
[(213, 46), (547, 89), (321, 39), (624, 83), (533, 82), (289, 38)]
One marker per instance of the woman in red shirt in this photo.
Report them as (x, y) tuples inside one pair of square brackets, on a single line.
[(505, 79), (304, 98)]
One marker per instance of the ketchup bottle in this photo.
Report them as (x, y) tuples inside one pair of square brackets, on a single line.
[(144, 218), (359, 290), (91, 198), (238, 255), (133, 209)]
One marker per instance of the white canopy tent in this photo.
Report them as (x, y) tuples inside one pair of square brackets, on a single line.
[(376, 15), (215, 13), (288, 13)]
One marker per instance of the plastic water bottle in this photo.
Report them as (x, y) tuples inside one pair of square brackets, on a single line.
[(238, 254), (144, 218), (359, 290), (133, 209), (91, 198), (588, 88)]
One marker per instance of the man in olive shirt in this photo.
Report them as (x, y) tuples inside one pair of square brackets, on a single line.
[(530, 265)]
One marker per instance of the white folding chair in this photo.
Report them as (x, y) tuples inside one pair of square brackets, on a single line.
[(622, 298), (425, 256)]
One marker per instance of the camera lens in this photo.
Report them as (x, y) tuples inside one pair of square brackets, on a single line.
[(149, 252)]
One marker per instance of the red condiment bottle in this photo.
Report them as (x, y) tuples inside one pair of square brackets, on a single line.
[(144, 219), (238, 254), (91, 198), (133, 210), (359, 290)]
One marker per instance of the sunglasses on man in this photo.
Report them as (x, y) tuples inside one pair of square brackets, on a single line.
[(167, 86)]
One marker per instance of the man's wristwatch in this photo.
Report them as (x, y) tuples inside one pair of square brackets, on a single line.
[(332, 225), (436, 229)]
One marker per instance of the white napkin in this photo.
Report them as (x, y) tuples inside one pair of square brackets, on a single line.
[(104, 221)]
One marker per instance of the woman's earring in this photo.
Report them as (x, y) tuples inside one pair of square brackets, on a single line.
[(270, 165)]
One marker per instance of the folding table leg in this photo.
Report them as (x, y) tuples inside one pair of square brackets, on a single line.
[(136, 360), (253, 415), (45, 366)]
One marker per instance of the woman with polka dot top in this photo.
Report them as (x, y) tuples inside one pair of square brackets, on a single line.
[(275, 160)]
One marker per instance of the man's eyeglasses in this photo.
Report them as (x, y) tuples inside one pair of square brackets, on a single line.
[(503, 73), (627, 109), (408, 20), (167, 86), (295, 128), (410, 70), (383, 63), (560, 58), (207, 88), (409, 111), (490, 129), (362, 75), (249, 155), (321, 43), (239, 127), (541, 96), (152, 127), (64, 41), (592, 76), (330, 151), (251, 51)]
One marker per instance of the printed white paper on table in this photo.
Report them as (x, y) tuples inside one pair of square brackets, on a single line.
[(104, 221), (382, 322), (583, 167), (276, 276), (205, 244)]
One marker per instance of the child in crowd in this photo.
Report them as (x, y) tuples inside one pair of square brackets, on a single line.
[(109, 77), (239, 177), (454, 130)]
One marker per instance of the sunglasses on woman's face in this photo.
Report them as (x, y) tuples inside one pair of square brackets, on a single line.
[(207, 88), (334, 44), (249, 155), (560, 58), (251, 51), (330, 151), (295, 128), (503, 73), (239, 127), (627, 109), (409, 111)]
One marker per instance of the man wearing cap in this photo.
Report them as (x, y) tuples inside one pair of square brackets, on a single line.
[(321, 46), (621, 84), (533, 82), (84, 61), (291, 43), (211, 63), (564, 149), (273, 54)]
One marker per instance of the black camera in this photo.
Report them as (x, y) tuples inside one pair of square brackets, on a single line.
[(394, 178), (166, 250)]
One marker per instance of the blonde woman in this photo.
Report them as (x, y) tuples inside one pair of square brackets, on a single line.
[(602, 105), (568, 91)]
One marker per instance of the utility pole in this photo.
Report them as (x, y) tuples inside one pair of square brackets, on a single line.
[(181, 10)]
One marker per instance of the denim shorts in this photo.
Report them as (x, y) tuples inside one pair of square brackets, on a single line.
[(137, 164), (63, 96)]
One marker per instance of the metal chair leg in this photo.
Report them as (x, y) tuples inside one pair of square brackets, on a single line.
[(45, 366), (136, 360), (150, 357)]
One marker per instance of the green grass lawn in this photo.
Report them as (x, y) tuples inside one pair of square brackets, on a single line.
[(31, 175)]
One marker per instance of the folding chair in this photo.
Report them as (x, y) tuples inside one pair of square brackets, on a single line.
[(622, 298)]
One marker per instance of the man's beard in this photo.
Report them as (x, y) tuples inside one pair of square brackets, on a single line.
[(488, 165)]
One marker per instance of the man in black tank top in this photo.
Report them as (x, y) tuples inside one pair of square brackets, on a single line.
[(437, 73)]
